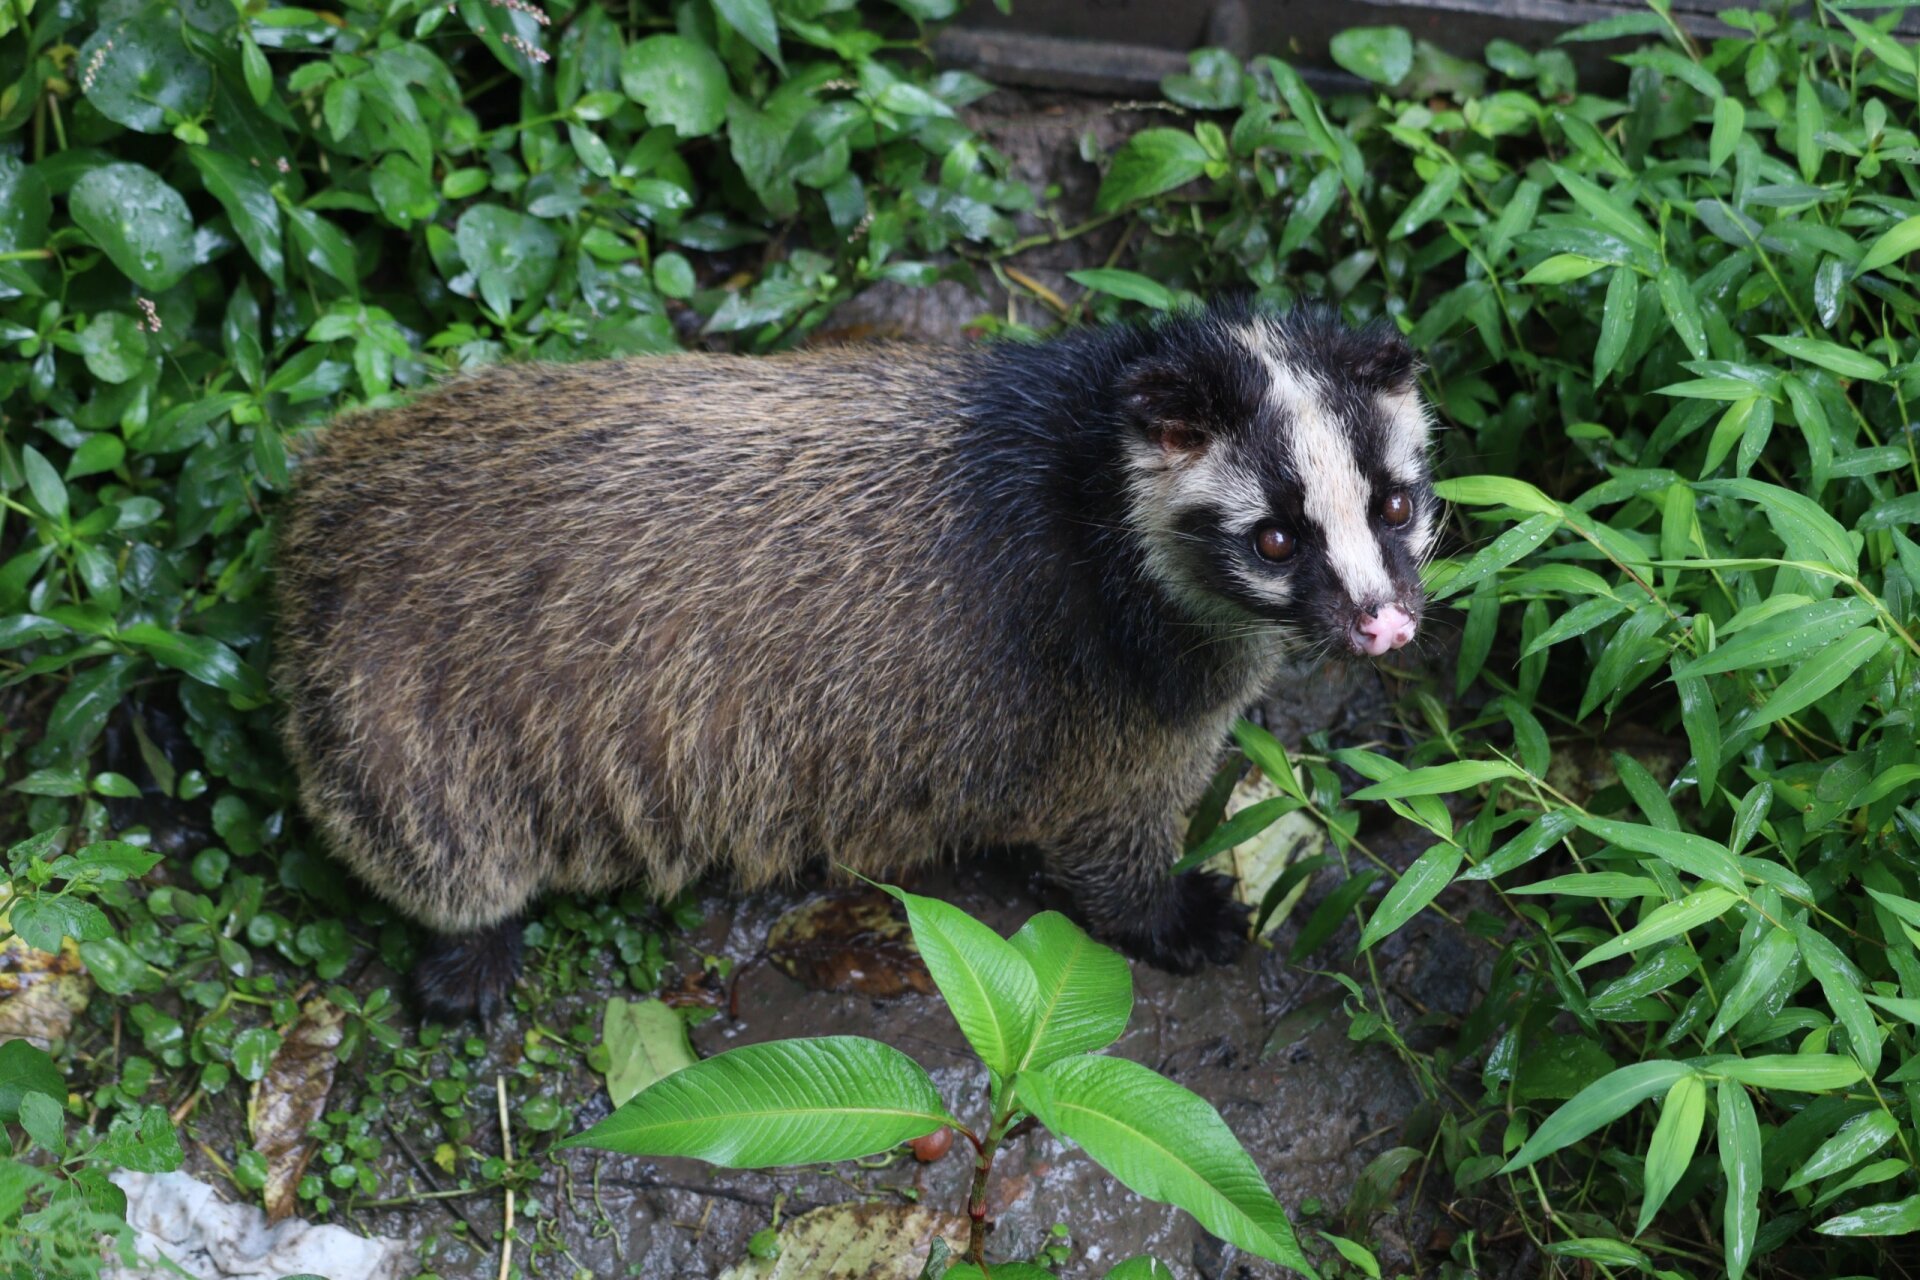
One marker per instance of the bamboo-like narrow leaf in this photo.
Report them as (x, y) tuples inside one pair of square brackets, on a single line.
[(1665, 921), (1840, 982), (1800, 1072), (1695, 855), (1439, 779), (1740, 1162), (1675, 1136), (1857, 1139), (1431, 872), (1820, 675), (1765, 963), (1602, 1102)]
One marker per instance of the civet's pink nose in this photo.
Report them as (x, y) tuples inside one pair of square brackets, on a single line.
[(1389, 627)]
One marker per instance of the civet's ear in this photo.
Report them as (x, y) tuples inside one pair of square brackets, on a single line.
[(1379, 356), (1170, 406)]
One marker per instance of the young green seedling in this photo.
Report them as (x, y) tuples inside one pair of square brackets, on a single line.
[(1037, 1008)]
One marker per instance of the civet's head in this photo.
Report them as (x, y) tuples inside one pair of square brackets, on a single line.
[(1277, 470)]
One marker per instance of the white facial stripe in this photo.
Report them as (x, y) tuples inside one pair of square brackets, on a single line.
[(1337, 497), (1408, 427)]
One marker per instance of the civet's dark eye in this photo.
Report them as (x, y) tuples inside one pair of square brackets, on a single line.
[(1273, 543), (1396, 508)]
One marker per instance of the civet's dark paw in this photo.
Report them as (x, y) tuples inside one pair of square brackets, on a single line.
[(1197, 922), (465, 975)]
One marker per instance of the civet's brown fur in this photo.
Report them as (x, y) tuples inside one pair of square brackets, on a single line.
[(567, 627)]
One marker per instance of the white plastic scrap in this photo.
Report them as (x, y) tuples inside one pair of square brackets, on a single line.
[(182, 1218)]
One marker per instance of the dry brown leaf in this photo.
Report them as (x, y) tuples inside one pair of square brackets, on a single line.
[(1258, 861), (855, 1242), (849, 940), (291, 1096), (40, 993)]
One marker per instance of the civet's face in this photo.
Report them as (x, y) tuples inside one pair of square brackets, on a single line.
[(1280, 473)]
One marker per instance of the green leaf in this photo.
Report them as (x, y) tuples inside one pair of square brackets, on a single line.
[(1683, 309), (249, 204), (49, 491), (137, 70), (1509, 547), (1495, 491), (202, 657), (1152, 161), (1562, 268), (1267, 752), (987, 982), (1844, 361), (1618, 218), (1431, 872), (25, 1069), (1439, 780), (1899, 1218), (138, 221), (1664, 922), (1328, 916), (1085, 990), (1130, 285), (673, 275), (1593, 884), (1166, 1143), (1765, 963), (1616, 321), (1741, 1164), (1602, 1102), (681, 83), (513, 255), (1383, 55), (1695, 855), (1839, 983), (1781, 639), (1821, 674), (782, 1103), (1141, 1268), (646, 1042), (1729, 121), (1808, 531), (754, 20), (1674, 1138), (1803, 1073), (1892, 245), (1857, 1139)]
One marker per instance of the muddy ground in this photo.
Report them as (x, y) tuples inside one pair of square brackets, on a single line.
[(1312, 1112)]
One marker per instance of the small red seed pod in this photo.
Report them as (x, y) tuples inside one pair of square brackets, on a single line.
[(932, 1146)]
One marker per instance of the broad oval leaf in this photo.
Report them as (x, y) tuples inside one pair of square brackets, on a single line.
[(781, 1103), (138, 221), (1085, 990), (987, 982), (1167, 1143)]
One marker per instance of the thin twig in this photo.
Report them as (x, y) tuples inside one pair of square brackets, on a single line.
[(506, 1150)]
